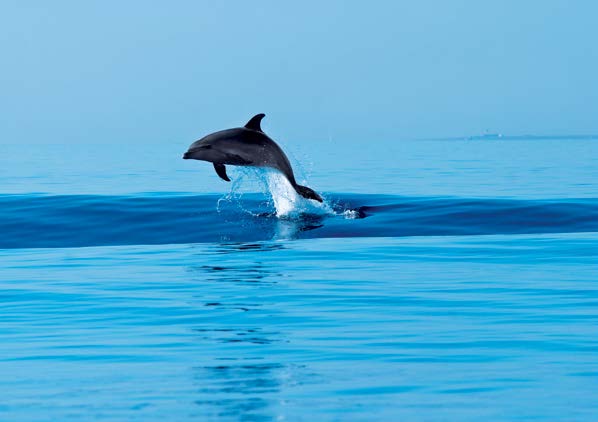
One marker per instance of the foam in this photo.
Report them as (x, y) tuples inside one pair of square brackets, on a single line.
[(285, 199), (288, 202)]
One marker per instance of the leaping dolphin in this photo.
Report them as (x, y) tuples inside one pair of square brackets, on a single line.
[(245, 146)]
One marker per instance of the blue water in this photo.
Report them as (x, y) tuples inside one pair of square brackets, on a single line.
[(59, 221), (448, 280)]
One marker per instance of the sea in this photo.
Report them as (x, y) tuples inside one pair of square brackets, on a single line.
[(440, 280)]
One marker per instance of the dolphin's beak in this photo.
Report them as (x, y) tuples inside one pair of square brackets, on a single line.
[(186, 156)]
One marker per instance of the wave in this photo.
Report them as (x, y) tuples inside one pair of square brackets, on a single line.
[(43, 221)]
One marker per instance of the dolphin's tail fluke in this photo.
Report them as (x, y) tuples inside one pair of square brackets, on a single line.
[(308, 193)]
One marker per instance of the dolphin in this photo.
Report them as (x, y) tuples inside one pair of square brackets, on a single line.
[(245, 146)]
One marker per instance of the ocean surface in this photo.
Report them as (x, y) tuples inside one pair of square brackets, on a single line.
[(440, 280)]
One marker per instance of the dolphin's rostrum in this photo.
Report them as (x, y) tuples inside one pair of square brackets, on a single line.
[(245, 146)]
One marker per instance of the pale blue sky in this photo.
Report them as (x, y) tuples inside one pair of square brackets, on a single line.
[(140, 71)]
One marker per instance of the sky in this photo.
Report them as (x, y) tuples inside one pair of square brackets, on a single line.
[(144, 72)]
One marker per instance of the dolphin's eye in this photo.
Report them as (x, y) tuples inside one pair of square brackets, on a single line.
[(206, 147)]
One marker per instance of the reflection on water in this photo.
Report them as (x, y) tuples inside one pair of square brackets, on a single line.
[(241, 335), (246, 271), (256, 272), (243, 383), (234, 247), (288, 229), (245, 391)]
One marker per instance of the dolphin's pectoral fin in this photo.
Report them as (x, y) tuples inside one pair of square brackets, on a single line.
[(254, 122), (221, 171)]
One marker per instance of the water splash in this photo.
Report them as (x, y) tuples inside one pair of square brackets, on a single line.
[(246, 180), (288, 202), (351, 214), (282, 195)]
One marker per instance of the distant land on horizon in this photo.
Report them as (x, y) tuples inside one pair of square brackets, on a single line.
[(500, 136)]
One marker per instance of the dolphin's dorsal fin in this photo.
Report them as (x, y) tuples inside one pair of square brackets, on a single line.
[(254, 122)]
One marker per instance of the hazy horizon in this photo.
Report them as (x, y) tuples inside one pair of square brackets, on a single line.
[(138, 73)]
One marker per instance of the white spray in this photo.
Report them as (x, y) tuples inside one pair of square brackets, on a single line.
[(287, 202)]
